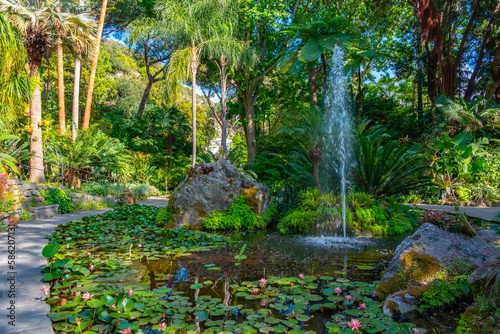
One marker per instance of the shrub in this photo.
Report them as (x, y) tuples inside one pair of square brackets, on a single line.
[(298, 222), (58, 196), (95, 204), (163, 216), (237, 216)]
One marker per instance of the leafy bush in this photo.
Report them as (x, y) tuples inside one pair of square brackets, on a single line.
[(55, 196), (238, 216), (95, 204), (141, 190), (298, 222), (386, 168), (444, 292), (163, 216)]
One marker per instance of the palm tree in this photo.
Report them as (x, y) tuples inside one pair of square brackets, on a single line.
[(308, 132), (93, 69), (76, 90), (13, 78), (41, 25), (198, 26)]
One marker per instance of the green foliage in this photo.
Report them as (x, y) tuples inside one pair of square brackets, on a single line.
[(94, 204), (163, 216), (386, 167), (298, 222), (58, 196), (238, 216), (444, 292)]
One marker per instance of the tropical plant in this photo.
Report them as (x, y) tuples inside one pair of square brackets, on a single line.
[(92, 149), (200, 27), (388, 167), (41, 24), (308, 133), (93, 69), (60, 197)]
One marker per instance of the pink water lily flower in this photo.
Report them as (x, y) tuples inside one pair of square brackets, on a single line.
[(163, 326), (45, 290), (415, 331), (354, 324), (126, 331), (263, 281), (301, 276), (362, 306), (338, 291), (130, 292), (255, 291), (375, 294), (87, 296), (91, 267), (348, 298)]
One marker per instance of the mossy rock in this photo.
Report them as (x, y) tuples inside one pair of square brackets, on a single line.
[(251, 198), (415, 271)]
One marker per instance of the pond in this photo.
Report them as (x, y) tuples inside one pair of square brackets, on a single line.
[(121, 270)]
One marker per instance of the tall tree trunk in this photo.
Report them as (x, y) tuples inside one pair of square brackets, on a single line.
[(360, 93), (315, 156), (36, 161), (76, 93), (194, 69), (76, 99), (223, 103), (60, 87), (93, 69), (313, 95), (419, 68)]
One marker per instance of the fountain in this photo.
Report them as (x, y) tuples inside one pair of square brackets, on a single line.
[(338, 149)]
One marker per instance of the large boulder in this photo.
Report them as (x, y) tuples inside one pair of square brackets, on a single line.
[(212, 187), (445, 246)]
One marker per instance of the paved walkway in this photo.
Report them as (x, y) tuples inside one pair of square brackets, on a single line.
[(30, 309), (489, 213)]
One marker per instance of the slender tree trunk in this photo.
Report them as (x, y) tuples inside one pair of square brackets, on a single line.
[(419, 67), (145, 96), (313, 95), (223, 87), (60, 87), (194, 69), (93, 69), (36, 160), (360, 93), (76, 93), (76, 99)]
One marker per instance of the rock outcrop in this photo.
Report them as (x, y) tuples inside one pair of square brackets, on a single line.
[(212, 187), (445, 246)]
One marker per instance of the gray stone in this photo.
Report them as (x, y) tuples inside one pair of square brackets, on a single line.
[(28, 185), (246, 184), (45, 211), (27, 193), (76, 195), (35, 193), (404, 301), (198, 195), (446, 247)]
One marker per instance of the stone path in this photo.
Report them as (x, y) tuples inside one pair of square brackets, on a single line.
[(30, 308), (489, 213)]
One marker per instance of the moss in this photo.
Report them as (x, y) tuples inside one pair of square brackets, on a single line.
[(170, 225), (418, 291), (421, 266), (393, 307), (250, 199), (416, 270), (473, 320)]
